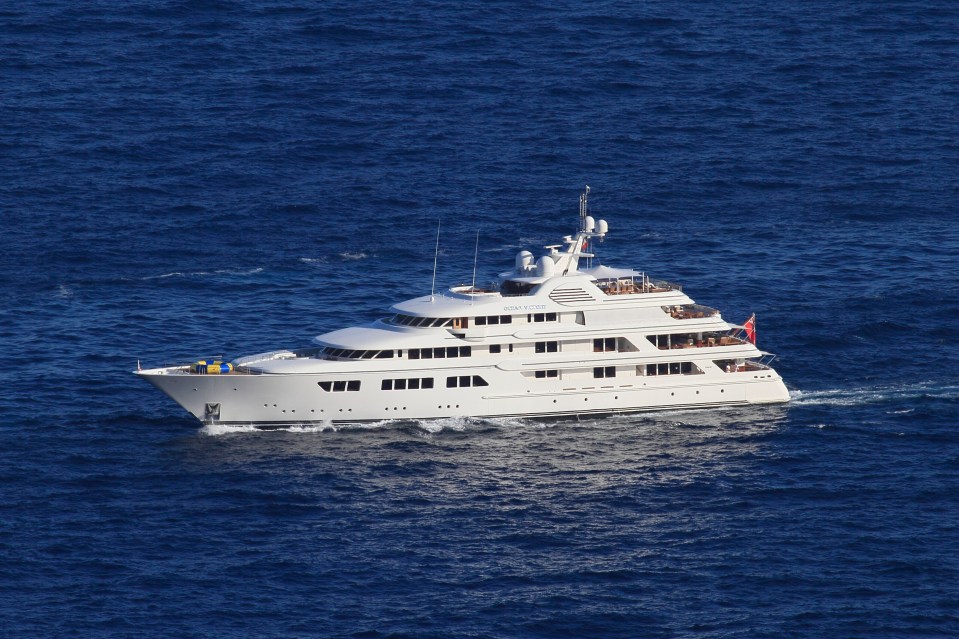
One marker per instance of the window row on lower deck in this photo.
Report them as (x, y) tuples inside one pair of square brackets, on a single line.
[(413, 383)]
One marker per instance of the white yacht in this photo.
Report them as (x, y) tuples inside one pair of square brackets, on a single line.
[(554, 338)]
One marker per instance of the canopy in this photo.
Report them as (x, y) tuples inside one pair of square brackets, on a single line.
[(607, 273)]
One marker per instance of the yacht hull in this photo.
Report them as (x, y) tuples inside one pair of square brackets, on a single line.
[(280, 400)]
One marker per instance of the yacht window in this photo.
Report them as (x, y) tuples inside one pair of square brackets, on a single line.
[(407, 384), (604, 345), (327, 386), (466, 351), (427, 353), (495, 348), (601, 372), (546, 374), (353, 385), (439, 352), (481, 321), (505, 319), (493, 319), (452, 351), (465, 381), (339, 386), (414, 353), (368, 354), (547, 347), (551, 317), (539, 317), (384, 355)]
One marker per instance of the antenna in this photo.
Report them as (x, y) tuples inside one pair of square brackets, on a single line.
[(436, 254), (475, 255), (583, 203)]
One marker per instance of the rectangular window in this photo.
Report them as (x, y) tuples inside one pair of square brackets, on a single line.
[(610, 344), (426, 353), (598, 372), (414, 353), (439, 352), (399, 384), (547, 347), (663, 369), (452, 351), (551, 317), (505, 319), (481, 321), (464, 381), (479, 381), (598, 345), (510, 348), (414, 384), (450, 382), (339, 386), (427, 382), (493, 319), (539, 317), (384, 355), (466, 351), (495, 348), (353, 385), (540, 374), (601, 372), (650, 369), (387, 384)]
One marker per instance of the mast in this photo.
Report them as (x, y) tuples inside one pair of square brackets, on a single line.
[(436, 254)]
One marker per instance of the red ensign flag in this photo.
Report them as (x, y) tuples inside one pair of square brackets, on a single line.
[(750, 327)]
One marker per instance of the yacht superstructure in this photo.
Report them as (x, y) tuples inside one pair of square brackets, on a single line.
[(551, 339)]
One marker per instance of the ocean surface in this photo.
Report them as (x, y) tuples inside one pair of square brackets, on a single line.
[(181, 179)]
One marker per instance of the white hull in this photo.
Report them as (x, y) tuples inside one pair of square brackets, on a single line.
[(277, 400)]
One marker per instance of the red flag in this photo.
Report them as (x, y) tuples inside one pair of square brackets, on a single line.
[(750, 327)]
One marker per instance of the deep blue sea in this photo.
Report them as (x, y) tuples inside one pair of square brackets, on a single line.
[(181, 179)]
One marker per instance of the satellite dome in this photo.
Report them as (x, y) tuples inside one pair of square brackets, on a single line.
[(545, 266), (524, 259)]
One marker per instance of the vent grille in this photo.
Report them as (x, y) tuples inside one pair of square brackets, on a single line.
[(570, 296)]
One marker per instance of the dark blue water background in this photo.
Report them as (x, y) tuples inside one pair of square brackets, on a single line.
[(185, 179)]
